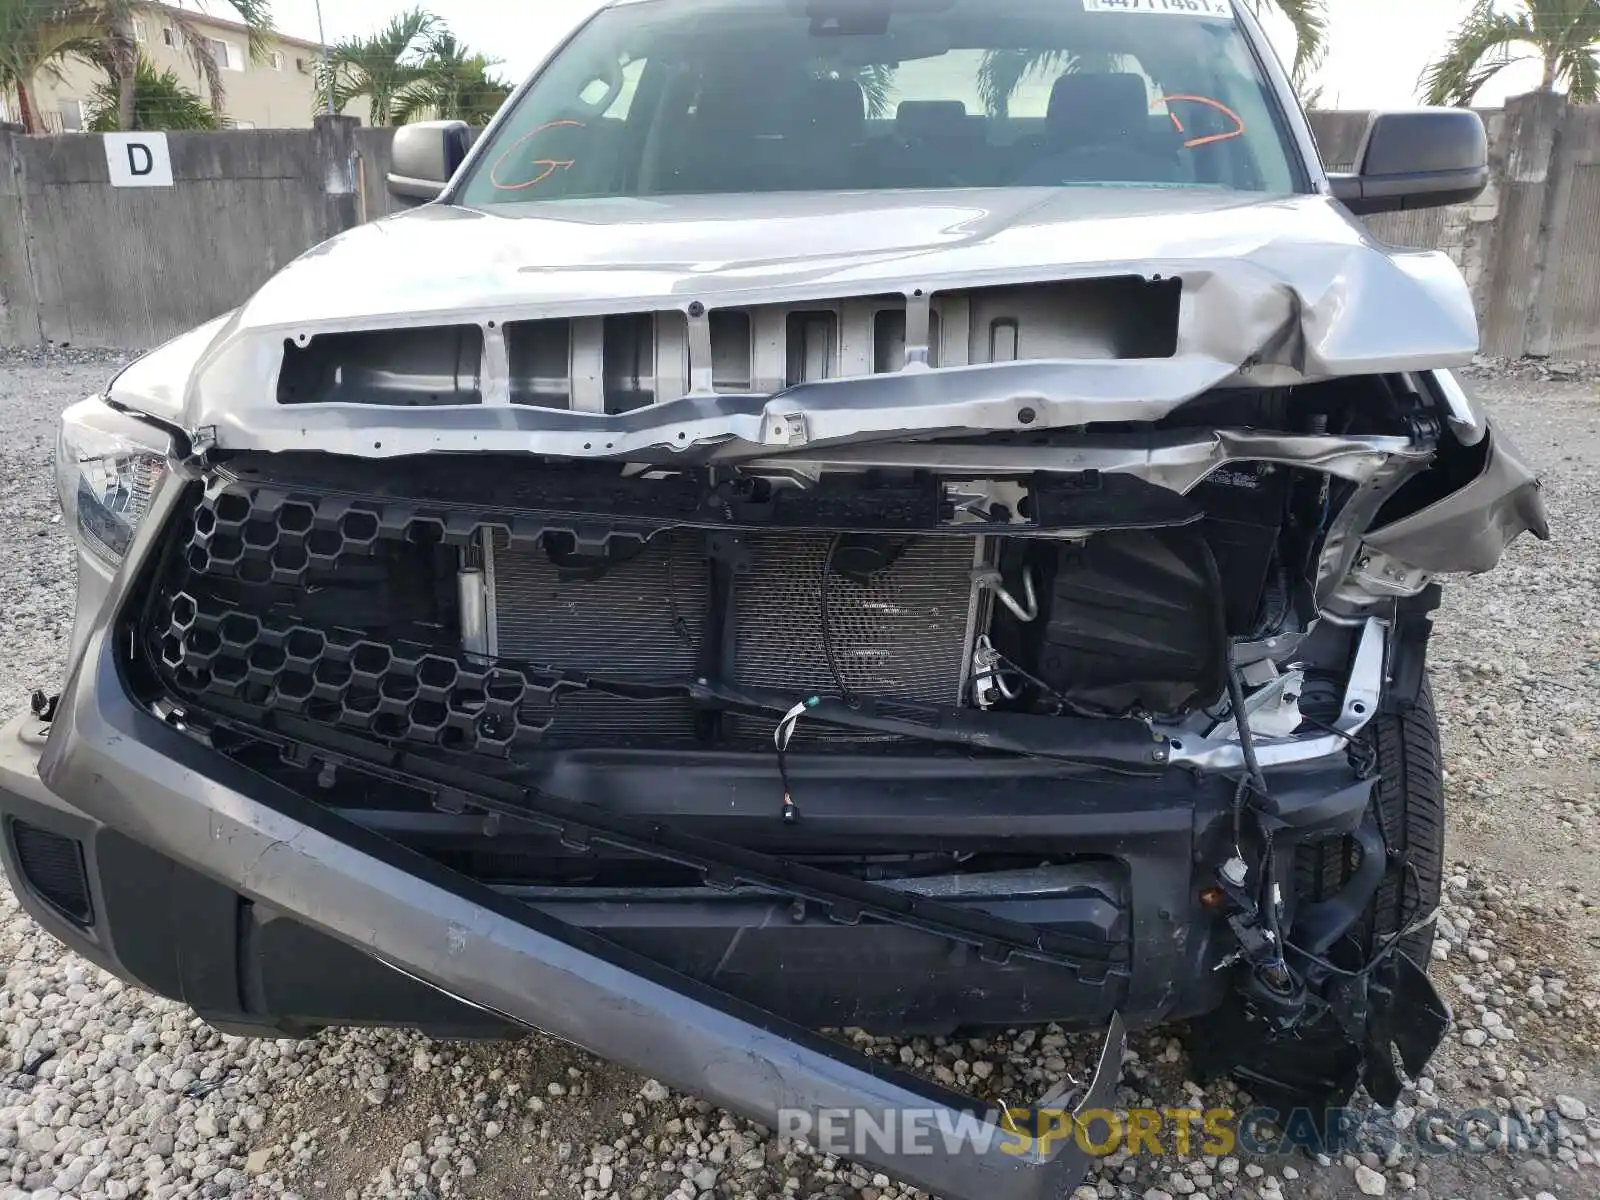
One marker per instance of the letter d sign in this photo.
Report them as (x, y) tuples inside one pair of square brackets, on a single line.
[(138, 159)]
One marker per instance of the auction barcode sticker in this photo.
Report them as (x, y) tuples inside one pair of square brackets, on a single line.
[(1177, 8)]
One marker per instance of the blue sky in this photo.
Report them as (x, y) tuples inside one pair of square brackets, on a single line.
[(1377, 48)]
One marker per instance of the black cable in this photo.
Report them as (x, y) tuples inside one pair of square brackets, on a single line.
[(1246, 740), (1416, 881), (1382, 953), (1327, 965), (1252, 777), (827, 632), (1353, 743), (673, 614), (1326, 728), (1050, 693), (790, 813), (1268, 879)]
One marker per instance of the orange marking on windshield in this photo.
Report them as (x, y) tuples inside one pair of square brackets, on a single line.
[(550, 165), (1222, 108)]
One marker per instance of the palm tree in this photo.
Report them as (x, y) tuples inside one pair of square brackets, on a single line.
[(384, 65), (118, 53), (1309, 20), (454, 85), (1304, 71), (36, 36), (877, 82), (160, 102), (1561, 33), (1003, 71)]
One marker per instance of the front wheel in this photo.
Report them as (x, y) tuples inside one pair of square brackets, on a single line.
[(1409, 806)]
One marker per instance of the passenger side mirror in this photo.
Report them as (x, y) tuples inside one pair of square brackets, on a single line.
[(424, 157), (1424, 158)]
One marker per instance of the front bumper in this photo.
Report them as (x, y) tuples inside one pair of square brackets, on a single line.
[(172, 828), (130, 777), (182, 843)]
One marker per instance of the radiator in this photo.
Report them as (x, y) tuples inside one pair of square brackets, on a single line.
[(903, 635)]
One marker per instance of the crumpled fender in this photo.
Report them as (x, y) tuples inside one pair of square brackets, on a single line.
[(1468, 530)]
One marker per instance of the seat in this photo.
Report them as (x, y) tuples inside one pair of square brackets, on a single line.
[(935, 144), (1098, 129), (829, 147), (760, 133)]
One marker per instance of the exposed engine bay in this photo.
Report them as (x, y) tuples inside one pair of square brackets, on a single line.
[(908, 588), (1129, 623)]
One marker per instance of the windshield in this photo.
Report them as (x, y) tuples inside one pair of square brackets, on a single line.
[(663, 97)]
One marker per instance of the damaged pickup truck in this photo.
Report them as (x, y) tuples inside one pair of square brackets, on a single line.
[(903, 514)]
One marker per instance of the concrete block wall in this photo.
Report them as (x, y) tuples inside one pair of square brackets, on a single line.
[(87, 264), (83, 263)]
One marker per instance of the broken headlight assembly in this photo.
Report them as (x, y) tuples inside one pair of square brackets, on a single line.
[(108, 466)]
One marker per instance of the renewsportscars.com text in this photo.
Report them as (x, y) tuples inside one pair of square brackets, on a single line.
[(1217, 1131)]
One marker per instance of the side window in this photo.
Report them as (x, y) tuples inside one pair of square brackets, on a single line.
[(228, 56)]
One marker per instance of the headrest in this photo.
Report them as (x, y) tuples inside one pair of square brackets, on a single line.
[(836, 106), (915, 119), (784, 106), (1104, 107)]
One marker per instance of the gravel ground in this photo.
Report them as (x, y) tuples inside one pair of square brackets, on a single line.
[(108, 1092)]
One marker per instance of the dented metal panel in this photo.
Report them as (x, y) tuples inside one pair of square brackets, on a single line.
[(1268, 291), (1468, 530)]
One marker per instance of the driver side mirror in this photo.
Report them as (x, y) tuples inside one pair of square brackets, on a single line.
[(1424, 158), (424, 157)]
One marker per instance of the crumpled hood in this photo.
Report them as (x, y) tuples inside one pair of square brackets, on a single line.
[(439, 261), (1281, 288)]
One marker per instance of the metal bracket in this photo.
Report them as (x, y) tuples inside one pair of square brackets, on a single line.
[(1365, 688), (1195, 743), (785, 429), (1380, 575), (1272, 710)]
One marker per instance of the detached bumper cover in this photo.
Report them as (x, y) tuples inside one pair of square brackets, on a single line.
[(125, 768)]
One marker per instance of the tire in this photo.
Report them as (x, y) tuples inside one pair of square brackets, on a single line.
[(1410, 809)]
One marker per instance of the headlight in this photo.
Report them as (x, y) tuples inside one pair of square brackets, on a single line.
[(108, 465)]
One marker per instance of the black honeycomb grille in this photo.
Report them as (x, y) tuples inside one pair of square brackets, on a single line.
[(294, 604), (260, 535), (399, 691)]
